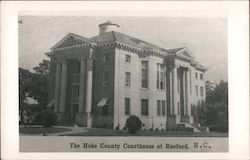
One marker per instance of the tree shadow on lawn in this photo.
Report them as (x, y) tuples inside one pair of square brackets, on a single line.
[(111, 132), (39, 130)]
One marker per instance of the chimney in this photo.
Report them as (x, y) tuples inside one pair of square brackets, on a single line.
[(107, 27)]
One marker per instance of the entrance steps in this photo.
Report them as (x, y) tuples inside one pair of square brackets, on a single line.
[(186, 127)]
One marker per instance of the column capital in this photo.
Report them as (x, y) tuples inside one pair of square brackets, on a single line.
[(90, 53)]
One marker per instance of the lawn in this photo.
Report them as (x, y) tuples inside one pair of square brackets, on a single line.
[(111, 132), (39, 130)]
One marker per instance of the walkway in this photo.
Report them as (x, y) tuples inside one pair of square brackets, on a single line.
[(73, 130)]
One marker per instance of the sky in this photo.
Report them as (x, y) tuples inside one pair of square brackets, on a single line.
[(206, 38)]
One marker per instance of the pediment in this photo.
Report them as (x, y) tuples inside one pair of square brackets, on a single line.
[(70, 40), (185, 53)]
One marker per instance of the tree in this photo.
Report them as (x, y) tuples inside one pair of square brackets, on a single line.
[(134, 124), (43, 68), (214, 112), (34, 85), (25, 78)]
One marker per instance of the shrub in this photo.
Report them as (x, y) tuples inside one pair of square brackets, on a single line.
[(48, 118), (133, 123)]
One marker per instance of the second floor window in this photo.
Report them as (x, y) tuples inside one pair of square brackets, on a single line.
[(196, 75), (201, 76), (127, 79), (75, 91), (128, 58), (144, 74), (106, 57), (160, 77), (105, 79)]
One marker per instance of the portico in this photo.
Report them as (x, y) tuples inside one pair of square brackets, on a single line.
[(73, 81)]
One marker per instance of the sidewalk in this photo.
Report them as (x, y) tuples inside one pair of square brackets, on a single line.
[(73, 130)]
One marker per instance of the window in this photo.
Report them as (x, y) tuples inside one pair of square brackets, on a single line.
[(178, 82), (201, 91), (75, 78), (163, 111), (196, 89), (128, 58), (201, 76), (127, 79), (105, 79), (144, 107), (75, 91), (160, 77), (144, 75), (196, 75), (106, 57), (105, 110), (127, 106), (158, 107), (75, 107)]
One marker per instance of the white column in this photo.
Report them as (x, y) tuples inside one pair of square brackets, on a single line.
[(57, 87), (63, 87), (170, 92), (82, 86), (188, 109), (175, 91), (183, 92), (89, 89)]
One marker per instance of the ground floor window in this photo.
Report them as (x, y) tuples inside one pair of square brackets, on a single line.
[(105, 110), (144, 107), (158, 107), (127, 106), (161, 108)]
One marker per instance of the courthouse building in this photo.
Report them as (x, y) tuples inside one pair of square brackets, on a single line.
[(100, 81)]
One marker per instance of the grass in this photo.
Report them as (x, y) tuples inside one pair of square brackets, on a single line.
[(111, 132), (39, 130)]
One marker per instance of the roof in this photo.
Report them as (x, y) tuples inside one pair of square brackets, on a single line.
[(174, 50), (114, 36), (78, 40)]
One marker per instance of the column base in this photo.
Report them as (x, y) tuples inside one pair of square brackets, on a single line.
[(172, 121), (187, 119), (81, 119), (62, 118), (89, 120)]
